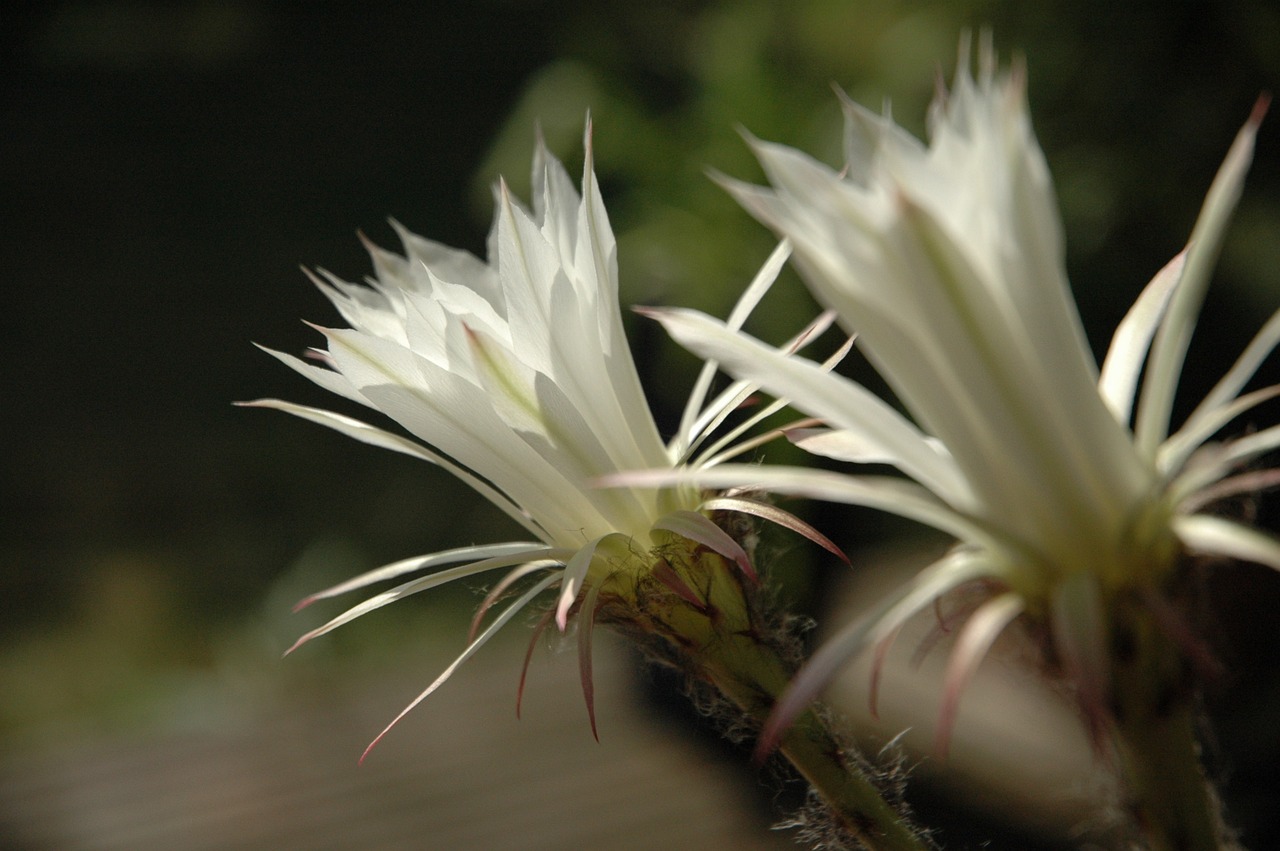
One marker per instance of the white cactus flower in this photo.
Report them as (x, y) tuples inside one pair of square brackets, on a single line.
[(515, 375), (1070, 495)]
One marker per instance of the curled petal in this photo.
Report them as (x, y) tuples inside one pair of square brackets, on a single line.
[(586, 625), (534, 635), (974, 641), (773, 514), (1129, 345), (698, 528), (575, 573), (664, 573)]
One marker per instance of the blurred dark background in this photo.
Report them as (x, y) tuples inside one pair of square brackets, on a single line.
[(164, 169)]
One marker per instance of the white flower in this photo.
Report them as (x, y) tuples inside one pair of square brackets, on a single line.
[(515, 376), (947, 260)]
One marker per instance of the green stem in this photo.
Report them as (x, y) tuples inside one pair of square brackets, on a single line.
[(726, 646), (854, 798), (753, 683), (1167, 794)]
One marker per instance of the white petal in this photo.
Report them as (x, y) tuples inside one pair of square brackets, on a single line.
[(1132, 339), (844, 445), (732, 397), (1165, 363), (529, 267), (1213, 463), (1258, 350), (334, 382), (747, 302), (451, 264), (555, 201), (575, 573), (523, 550), (460, 420), (421, 584), (479, 642), (886, 493), (1242, 450), (839, 401), (377, 437), (1175, 451), (1214, 536)]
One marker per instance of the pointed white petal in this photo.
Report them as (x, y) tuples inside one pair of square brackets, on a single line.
[(377, 437), (1258, 350), (521, 550), (334, 382), (1250, 483), (450, 264), (839, 401), (1178, 448), (1213, 463), (529, 268), (555, 201), (349, 426), (845, 445), (416, 586), (740, 391), (575, 573), (1214, 536), (886, 493), (747, 302), (483, 639), (1167, 352), (1123, 364)]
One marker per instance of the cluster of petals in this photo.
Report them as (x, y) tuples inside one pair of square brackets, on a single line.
[(515, 376), (1063, 481)]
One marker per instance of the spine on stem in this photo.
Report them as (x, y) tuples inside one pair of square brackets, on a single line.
[(696, 612)]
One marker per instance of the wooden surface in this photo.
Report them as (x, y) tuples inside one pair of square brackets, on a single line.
[(460, 773)]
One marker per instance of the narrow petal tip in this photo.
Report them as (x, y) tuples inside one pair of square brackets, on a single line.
[(304, 603), (1260, 107)]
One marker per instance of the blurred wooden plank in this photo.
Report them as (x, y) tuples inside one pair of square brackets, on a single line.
[(460, 773)]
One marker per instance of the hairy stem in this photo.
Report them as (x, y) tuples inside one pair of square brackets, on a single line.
[(1167, 794), (718, 637)]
